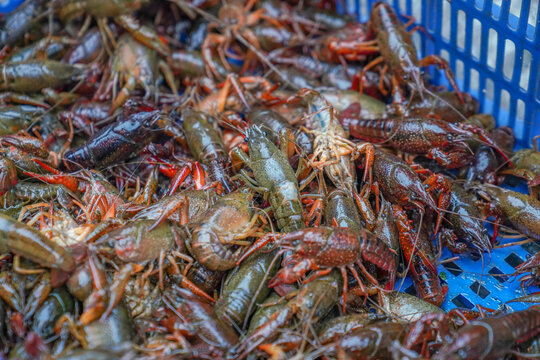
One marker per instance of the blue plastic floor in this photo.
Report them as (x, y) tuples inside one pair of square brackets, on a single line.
[(488, 282)]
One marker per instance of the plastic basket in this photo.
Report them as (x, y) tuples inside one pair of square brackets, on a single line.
[(493, 47)]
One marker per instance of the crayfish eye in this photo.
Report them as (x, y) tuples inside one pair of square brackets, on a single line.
[(449, 137)]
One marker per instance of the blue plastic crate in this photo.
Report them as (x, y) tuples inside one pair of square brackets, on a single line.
[(493, 47)]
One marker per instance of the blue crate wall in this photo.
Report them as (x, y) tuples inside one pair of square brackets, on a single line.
[(493, 49), (495, 55), (7, 6)]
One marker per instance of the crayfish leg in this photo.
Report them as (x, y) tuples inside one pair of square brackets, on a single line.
[(443, 64), (20, 270), (178, 179), (365, 209), (256, 246), (70, 182), (441, 183), (408, 239), (366, 68), (124, 94), (345, 289), (187, 284), (118, 286)]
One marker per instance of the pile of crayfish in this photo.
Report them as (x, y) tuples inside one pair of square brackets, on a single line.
[(246, 179)]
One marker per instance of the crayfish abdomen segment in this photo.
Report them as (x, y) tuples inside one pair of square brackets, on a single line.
[(331, 247), (342, 247), (287, 206)]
